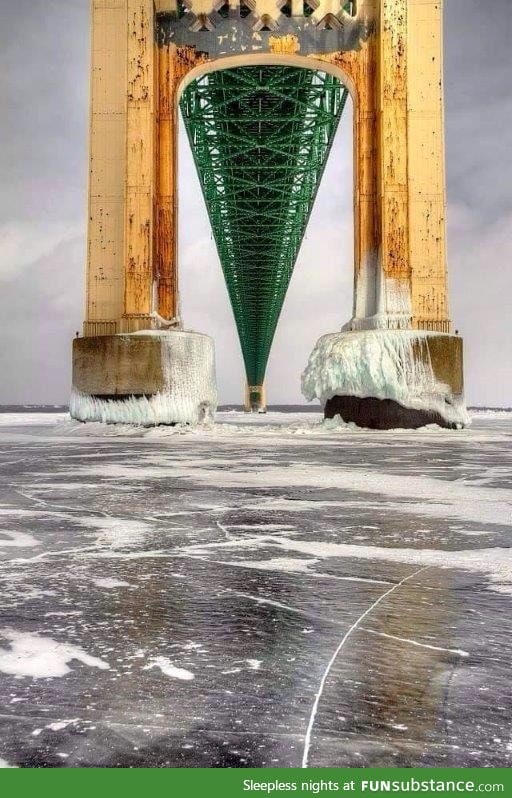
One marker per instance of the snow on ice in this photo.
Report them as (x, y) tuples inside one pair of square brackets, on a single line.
[(41, 657), (168, 669), (11, 538)]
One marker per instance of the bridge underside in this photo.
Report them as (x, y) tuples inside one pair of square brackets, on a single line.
[(260, 136), (261, 128)]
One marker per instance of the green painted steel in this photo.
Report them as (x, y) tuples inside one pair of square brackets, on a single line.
[(260, 136)]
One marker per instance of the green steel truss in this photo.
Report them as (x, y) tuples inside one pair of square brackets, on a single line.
[(260, 137)]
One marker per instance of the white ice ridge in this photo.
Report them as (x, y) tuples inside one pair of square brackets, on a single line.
[(383, 364), (189, 396)]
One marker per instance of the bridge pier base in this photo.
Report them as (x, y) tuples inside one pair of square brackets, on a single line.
[(388, 379), (146, 378), (255, 399)]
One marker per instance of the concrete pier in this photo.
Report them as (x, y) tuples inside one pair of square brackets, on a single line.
[(144, 378), (255, 399), (388, 379)]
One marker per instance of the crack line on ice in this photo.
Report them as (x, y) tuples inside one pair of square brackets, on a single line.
[(458, 651), (44, 555), (257, 566), (272, 603), (226, 531), (355, 625), (74, 510)]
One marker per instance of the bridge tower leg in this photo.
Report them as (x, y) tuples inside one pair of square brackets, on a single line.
[(135, 363), (255, 399), (396, 363)]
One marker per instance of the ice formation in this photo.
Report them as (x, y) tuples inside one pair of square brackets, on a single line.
[(380, 304), (383, 364), (190, 395)]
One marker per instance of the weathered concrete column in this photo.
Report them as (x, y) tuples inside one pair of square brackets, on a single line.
[(367, 261), (140, 167), (127, 369), (107, 169), (174, 63), (399, 176), (394, 301), (166, 201), (426, 173), (360, 72)]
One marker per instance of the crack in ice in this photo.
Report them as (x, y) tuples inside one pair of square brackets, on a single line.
[(307, 738), (408, 640)]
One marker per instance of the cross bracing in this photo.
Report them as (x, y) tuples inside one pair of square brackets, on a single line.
[(260, 136)]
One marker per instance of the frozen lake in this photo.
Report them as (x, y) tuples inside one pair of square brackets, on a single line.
[(268, 592)]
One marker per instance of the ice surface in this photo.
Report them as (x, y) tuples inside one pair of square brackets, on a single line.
[(30, 419), (190, 395), (287, 564), (498, 415), (117, 532), (380, 364), (250, 543), (495, 563), (427, 496), (230, 424)]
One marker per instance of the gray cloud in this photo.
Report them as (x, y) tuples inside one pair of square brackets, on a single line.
[(43, 145)]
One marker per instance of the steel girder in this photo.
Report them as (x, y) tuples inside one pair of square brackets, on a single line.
[(260, 136)]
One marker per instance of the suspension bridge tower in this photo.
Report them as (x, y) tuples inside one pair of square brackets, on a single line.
[(262, 86)]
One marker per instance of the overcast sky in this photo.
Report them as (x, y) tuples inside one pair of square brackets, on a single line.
[(44, 47)]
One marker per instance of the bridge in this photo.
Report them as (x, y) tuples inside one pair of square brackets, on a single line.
[(262, 86)]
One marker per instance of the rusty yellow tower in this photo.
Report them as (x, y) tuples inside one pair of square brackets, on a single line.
[(135, 361)]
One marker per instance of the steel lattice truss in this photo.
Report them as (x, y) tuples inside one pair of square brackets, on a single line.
[(260, 137)]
